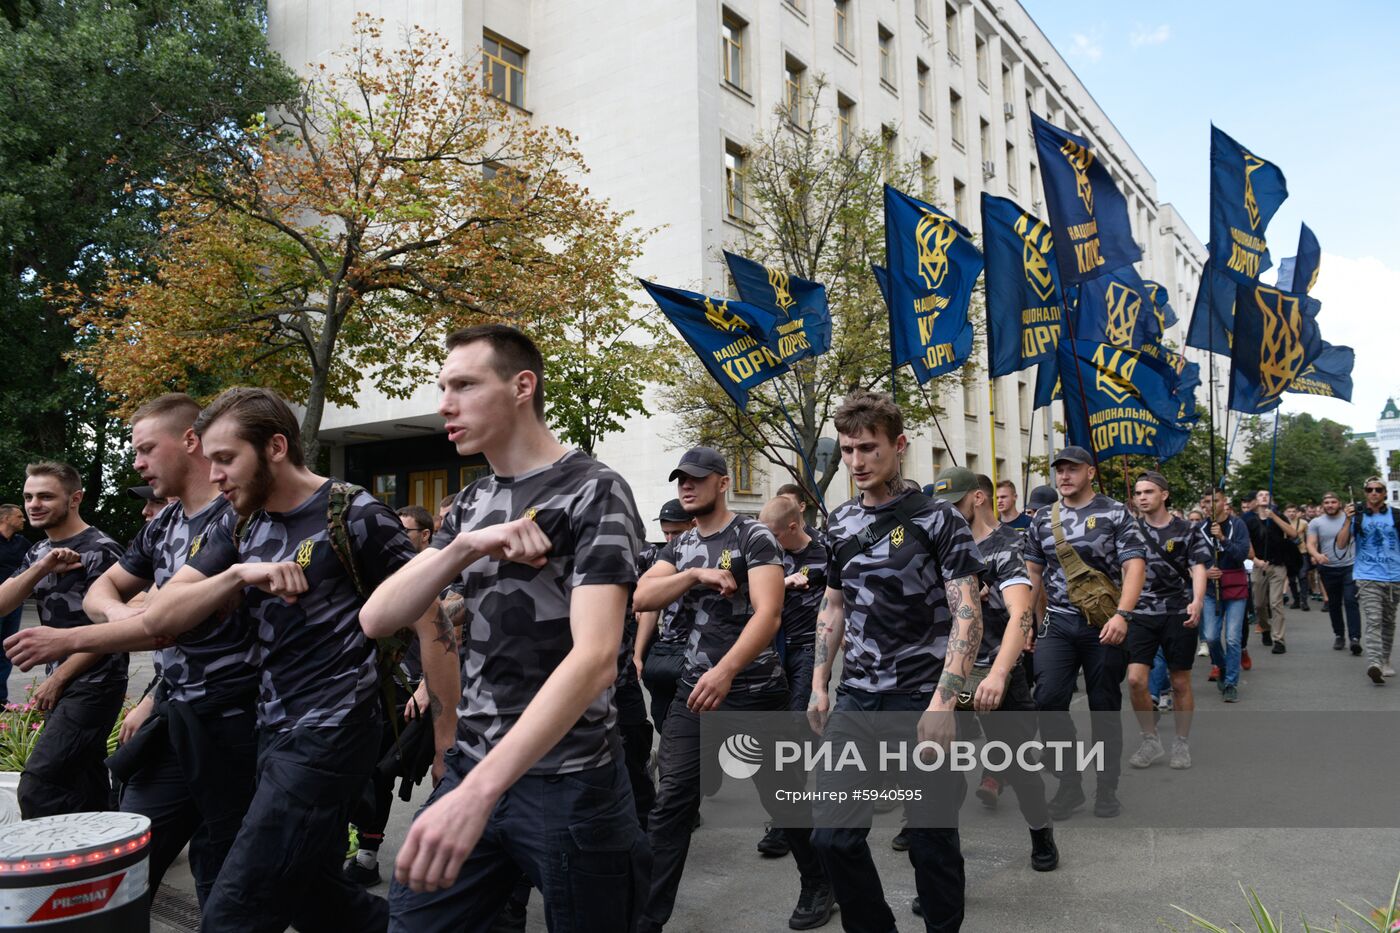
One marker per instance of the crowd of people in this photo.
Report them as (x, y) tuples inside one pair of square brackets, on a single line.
[(553, 669)]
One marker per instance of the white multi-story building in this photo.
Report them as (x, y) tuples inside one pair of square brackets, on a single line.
[(666, 95)]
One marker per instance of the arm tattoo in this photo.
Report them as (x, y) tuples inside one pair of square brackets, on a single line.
[(965, 639), (822, 653), (1027, 623), (434, 705), (451, 612)]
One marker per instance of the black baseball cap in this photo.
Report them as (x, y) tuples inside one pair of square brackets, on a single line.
[(1040, 497), (1155, 478), (1073, 454), (672, 512), (698, 462), (145, 493)]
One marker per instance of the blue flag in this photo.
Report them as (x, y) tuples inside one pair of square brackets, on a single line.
[(1329, 375), (1245, 193), (725, 335), (1129, 399), (1299, 273), (1213, 315), (1088, 214), (1276, 337), (1190, 381), (933, 267), (1115, 308), (801, 305), (1161, 305), (882, 279), (1023, 287), (1047, 383)]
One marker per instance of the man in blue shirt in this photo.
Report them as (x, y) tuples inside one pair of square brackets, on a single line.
[(1377, 574)]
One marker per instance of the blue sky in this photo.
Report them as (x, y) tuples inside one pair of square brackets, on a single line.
[(1312, 87)]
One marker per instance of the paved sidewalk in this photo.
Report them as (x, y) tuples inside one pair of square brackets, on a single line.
[(1109, 880)]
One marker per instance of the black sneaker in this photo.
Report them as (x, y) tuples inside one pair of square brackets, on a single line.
[(1377, 676), (815, 905), (1279, 647), (1106, 803), (774, 844), (1068, 798), (917, 908), (1230, 694), (1338, 643), (1266, 638), (1045, 855), (511, 918), (1356, 649), (900, 842), (1303, 606), (355, 873)]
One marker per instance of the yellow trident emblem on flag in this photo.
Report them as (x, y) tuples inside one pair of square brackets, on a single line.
[(304, 553), (933, 235), (781, 296), (1123, 306), (1079, 159), (1252, 164), (1035, 245), (1281, 353), (1113, 374), (721, 317), (897, 536)]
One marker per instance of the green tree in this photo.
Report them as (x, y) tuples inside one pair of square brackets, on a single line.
[(393, 201), (813, 206), (101, 101), (1314, 456)]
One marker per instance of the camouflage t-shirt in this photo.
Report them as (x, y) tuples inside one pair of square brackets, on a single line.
[(897, 618), (1005, 568), (316, 663), (517, 624), (1168, 587), (1101, 532), (800, 606), (717, 621), (60, 595), (673, 625), (216, 656)]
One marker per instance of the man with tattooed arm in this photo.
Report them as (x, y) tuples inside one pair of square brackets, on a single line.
[(902, 604)]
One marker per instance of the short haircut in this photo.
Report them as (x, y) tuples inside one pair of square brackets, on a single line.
[(1372, 479), (792, 489), (511, 352), (418, 514), (1331, 495), (864, 410), (67, 477), (9, 508), (260, 415), (984, 483), (1007, 484), (446, 501), (176, 407), (780, 511)]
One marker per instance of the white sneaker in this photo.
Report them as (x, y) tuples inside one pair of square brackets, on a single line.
[(1150, 751), (1388, 671), (1181, 754), (1203, 651), (1164, 704)]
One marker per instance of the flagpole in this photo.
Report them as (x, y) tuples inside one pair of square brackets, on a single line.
[(934, 412), (1026, 463), (992, 411), (1273, 457), (1079, 375)]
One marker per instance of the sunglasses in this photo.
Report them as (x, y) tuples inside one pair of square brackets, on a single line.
[(1375, 489)]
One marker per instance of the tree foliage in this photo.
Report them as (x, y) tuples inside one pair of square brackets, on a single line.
[(815, 209), (1315, 455), (393, 201), (102, 100)]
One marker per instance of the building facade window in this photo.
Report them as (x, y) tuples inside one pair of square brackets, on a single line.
[(887, 59), (981, 53), (503, 69), (953, 33), (927, 177), (960, 202), (742, 467), (843, 24), (1007, 94), (889, 137), (955, 117), (1013, 174), (984, 139), (921, 12), (735, 182), (468, 475), (845, 120), (732, 30), (925, 90), (794, 89), (385, 486)]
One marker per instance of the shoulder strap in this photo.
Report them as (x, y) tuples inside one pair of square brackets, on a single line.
[(339, 535), (1070, 562), (1151, 540), (903, 513)]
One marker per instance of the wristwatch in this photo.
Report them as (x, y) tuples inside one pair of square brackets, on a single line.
[(1127, 615)]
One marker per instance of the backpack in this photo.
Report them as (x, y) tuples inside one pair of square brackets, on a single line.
[(390, 650)]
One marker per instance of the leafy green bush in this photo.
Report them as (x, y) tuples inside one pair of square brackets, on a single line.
[(1379, 920)]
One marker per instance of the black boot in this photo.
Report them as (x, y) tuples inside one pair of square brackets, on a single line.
[(1106, 802), (774, 844), (1045, 855), (1068, 798), (814, 908)]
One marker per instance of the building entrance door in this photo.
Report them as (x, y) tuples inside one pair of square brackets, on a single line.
[(427, 489)]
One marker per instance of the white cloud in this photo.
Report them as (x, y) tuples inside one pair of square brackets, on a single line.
[(1359, 310), (1086, 47), (1147, 35)]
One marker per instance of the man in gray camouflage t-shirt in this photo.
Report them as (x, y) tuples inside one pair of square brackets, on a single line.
[(1106, 539), (83, 691)]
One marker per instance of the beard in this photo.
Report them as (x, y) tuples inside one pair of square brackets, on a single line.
[(57, 516), (254, 494), (702, 508)]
